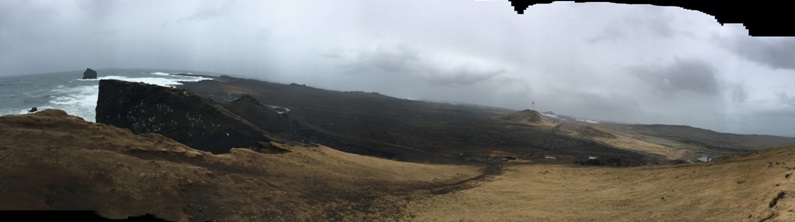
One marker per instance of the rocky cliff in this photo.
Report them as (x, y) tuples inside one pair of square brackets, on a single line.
[(187, 118), (89, 74)]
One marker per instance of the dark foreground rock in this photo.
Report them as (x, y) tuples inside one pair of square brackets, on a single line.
[(187, 118), (90, 74)]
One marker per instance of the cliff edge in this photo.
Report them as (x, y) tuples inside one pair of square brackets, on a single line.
[(187, 118)]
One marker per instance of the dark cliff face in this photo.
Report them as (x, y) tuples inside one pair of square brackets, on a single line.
[(90, 74), (187, 118)]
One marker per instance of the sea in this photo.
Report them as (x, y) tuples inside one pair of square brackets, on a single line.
[(68, 90)]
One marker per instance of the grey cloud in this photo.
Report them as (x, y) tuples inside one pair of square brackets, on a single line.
[(773, 52), (637, 22), (399, 59), (599, 106), (784, 98), (263, 34), (403, 60), (681, 75), (465, 76), (16, 19), (739, 94), (99, 8), (103, 33), (786, 108), (210, 9)]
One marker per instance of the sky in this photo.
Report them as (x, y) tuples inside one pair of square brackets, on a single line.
[(602, 61)]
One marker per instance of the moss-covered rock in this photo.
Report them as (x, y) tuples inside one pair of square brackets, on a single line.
[(250, 109)]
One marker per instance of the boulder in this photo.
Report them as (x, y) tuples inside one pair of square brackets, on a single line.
[(89, 74)]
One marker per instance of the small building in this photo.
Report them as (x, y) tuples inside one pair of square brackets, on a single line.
[(549, 157), (704, 158)]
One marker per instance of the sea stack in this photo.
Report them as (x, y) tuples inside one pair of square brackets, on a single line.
[(89, 74)]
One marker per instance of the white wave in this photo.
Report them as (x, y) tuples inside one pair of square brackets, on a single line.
[(172, 81), (79, 101), (40, 108), (588, 121), (81, 95), (166, 79), (550, 115)]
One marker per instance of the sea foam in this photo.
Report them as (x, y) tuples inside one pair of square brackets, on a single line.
[(76, 96), (173, 80)]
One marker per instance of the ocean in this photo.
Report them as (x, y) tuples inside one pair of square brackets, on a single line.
[(69, 92)]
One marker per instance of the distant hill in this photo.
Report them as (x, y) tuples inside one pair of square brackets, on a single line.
[(526, 116), (409, 130), (709, 138), (671, 141)]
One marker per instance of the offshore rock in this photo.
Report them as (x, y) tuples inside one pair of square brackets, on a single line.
[(89, 74)]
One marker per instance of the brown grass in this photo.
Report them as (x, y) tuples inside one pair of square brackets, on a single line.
[(51, 161), (740, 189), (627, 142)]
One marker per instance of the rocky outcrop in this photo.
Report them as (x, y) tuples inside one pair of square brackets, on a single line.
[(187, 118), (528, 116), (89, 74), (261, 116)]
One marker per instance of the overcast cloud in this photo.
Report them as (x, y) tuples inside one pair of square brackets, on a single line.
[(637, 64)]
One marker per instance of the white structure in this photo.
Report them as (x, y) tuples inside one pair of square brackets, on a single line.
[(704, 158)]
